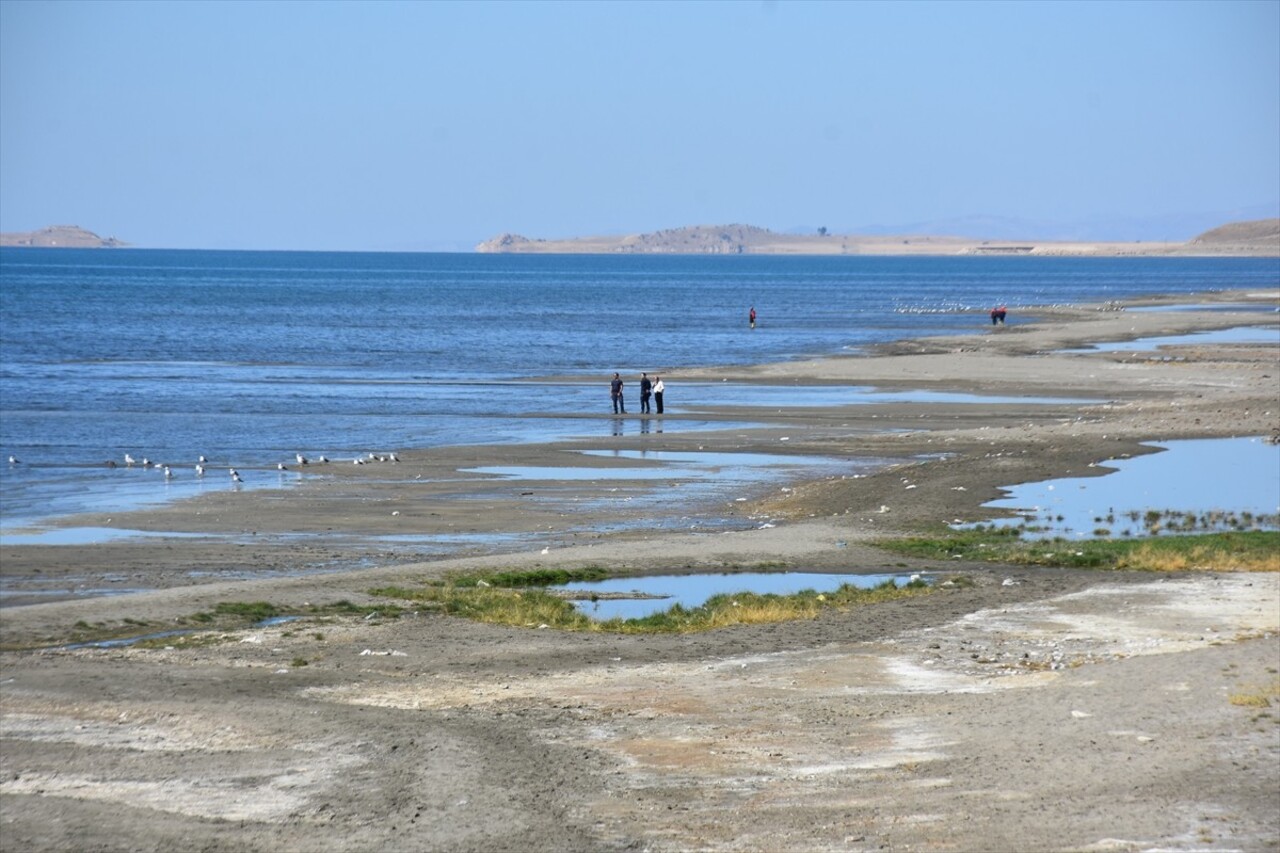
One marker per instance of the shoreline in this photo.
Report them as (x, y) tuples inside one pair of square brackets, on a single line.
[(825, 734)]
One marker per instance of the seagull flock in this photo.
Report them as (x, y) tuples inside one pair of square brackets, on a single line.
[(203, 461)]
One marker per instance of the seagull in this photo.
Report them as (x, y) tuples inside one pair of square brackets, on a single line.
[(199, 469), (13, 460), (168, 475), (202, 460), (393, 458), (128, 460), (302, 460), (146, 463), (280, 467), (323, 459), (357, 461), (235, 477)]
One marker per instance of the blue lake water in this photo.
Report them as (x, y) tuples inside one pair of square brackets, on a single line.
[(249, 357), (1229, 477)]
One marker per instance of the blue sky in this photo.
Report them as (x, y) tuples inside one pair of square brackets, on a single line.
[(421, 126)]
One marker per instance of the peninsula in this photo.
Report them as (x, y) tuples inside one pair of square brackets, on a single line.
[(1256, 238)]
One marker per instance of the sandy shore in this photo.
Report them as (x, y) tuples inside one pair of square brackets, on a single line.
[(1037, 710)]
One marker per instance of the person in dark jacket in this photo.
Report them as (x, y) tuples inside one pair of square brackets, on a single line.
[(615, 394)]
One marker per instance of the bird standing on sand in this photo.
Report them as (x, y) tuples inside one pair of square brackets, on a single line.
[(235, 476), (323, 458), (280, 466), (128, 460), (302, 460), (199, 469)]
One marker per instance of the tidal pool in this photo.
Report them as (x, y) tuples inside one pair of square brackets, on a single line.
[(1229, 307), (661, 592), (1236, 335), (1191, 486)]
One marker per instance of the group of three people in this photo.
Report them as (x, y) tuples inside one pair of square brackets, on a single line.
[(648, 388)]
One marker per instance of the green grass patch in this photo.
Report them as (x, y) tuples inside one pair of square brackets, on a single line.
[(528, 578), (1249, 551), (533, 608)]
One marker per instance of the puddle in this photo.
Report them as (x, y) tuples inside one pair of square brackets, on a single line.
[(787, 396), (671, 465), (126, 641), (276, 620), (85, 536), (1192, 486), (661, 592), (1236, 335)]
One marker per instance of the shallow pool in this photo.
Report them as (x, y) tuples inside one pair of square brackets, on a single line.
[(1236, 335), (693, 590), (1191, 486)]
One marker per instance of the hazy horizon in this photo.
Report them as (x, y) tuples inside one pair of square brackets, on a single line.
[(433, 126)]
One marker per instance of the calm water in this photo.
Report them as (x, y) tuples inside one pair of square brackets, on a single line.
[(1224, 483), (249, 357)]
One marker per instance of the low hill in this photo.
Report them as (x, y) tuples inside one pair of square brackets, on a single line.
[(61, 237), (1261, 236)]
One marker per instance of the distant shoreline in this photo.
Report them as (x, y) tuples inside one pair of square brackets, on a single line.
[(1241, 239)]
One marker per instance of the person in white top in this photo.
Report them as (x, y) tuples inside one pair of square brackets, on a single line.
[(658, 388)]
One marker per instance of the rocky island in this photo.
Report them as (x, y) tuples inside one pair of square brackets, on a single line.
[(60, 237)]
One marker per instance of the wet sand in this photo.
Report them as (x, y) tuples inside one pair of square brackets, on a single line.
[(1044, 710)]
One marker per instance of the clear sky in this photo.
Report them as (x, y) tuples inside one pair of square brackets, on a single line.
[(433, 125)]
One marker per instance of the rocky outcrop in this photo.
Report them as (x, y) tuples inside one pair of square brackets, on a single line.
[(61, 237)]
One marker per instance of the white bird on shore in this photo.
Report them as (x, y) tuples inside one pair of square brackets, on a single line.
[(146, 463), (393, 458), (202, 460), (281, 467), (323, 458), (235, 478), (128, 460), (199, 469), (302, 460), (168, 475)]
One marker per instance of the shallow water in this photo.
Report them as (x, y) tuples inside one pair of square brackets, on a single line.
[(1236, 335), (250, 357), (693, 590), (1221, 307), (1199, 477)]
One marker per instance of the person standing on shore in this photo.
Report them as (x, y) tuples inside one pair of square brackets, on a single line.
[(658, 388), (751, 316), (646, 387), (615, 394)]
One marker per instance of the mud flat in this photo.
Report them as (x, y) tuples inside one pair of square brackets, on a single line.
[(1032, 709)]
